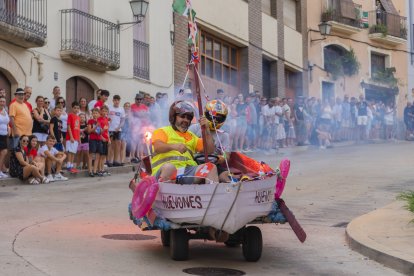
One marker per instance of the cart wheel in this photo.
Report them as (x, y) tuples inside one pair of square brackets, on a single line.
[(165, 238), (235, 239), (252, 244), (179, 244)]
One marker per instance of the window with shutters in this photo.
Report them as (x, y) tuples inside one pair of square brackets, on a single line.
[(141, 50), (377, 63)]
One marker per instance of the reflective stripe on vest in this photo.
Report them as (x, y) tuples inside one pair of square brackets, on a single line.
[(179, 160)]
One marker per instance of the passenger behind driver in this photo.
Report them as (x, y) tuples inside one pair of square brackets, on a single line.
[(174, 147), (216, 113)]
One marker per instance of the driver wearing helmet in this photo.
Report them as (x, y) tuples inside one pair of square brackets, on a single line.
[(216, 113), (174, 148)]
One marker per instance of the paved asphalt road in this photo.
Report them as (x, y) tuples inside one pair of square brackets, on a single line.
[(58, 229)]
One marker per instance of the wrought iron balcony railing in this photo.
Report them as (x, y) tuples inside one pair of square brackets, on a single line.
[(92, 38), (28, 15), (387, 24), (141, 60), (345, 12)]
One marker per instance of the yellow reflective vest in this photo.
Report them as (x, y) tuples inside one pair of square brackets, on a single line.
[(179, 160)]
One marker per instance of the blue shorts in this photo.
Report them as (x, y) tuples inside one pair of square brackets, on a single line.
[(59, 147)]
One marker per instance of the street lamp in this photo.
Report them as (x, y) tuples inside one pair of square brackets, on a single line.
[(139, 10), (324, 29)]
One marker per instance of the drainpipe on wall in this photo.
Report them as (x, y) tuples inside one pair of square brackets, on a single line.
[(410, 16)]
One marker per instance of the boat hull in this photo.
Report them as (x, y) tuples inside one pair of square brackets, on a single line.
[(226, 206)]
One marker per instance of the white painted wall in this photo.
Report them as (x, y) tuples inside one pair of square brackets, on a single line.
[(121, 81), (293, 47), (229, 17), (269, 34)]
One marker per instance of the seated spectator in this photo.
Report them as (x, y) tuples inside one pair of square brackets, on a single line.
[(4, 131), (31, 152), (324, 137), (21, 167), (41, 120), (53, 158)]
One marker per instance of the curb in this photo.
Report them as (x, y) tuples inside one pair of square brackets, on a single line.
[(390, 261), (82, 174), (366, 245)]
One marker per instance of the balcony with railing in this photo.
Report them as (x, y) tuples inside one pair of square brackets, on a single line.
[(141, 60), (344, 16), (24, 22), (387, 28), (89, 41)]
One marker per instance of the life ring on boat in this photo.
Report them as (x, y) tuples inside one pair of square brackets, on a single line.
[(144, 196), (284, 168)]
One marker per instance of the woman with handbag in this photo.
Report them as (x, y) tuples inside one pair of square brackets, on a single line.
[(41, 121)]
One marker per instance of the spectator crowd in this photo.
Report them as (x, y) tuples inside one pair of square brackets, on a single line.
[(41, 143)]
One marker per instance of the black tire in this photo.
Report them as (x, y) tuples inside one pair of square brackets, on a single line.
[(165, 238), (252, 244), (179, 244)]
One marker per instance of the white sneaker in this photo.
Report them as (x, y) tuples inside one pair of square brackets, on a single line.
[(50, 177), (59, 177), (45, 180), (3, 175)]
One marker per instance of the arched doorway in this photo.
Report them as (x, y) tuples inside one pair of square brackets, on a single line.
[(76, 88), (5, 83)]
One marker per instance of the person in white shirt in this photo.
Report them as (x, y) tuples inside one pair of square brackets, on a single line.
[(52, 158), (117, 121)]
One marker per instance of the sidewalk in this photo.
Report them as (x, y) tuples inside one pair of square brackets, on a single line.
[(84, 173), (385, 235)]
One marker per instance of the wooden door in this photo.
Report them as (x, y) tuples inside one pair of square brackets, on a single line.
[(76, 88), (5, 83)]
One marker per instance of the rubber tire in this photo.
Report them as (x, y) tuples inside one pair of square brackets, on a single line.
[(179, 244), (165, 238), (252, 244)]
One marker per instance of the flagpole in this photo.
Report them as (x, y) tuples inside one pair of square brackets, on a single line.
[(198, 94)]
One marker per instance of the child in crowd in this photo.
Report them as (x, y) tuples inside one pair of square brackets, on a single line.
[(73, 137), (117, 119), (102, 99), (95, 143), (103, 122), (52, 158), (55, 128), (83, 148)]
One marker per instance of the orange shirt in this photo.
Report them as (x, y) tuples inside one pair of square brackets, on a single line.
[(22, 118), (160, 135)]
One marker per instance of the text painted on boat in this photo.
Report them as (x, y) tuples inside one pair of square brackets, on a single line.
[(263, 196), (181, 202)]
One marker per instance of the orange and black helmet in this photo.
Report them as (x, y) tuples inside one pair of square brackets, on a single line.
[(180, 108), (216, 112)]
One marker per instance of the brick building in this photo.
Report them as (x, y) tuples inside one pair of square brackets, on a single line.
[(246, 46)]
